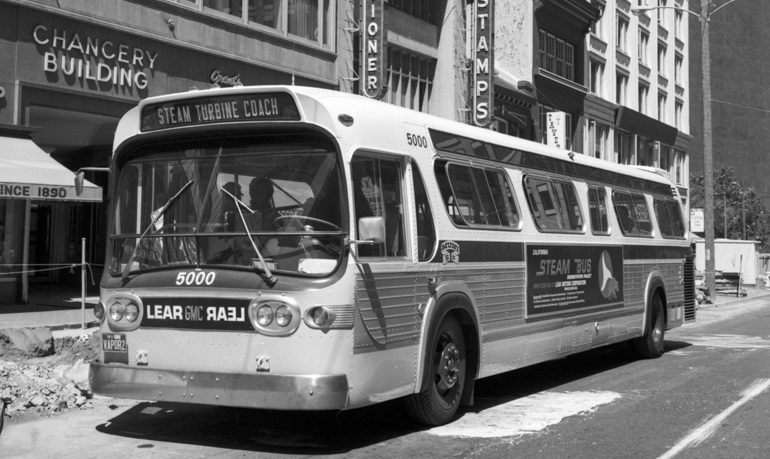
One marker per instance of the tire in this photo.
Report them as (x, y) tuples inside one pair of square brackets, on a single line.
[(651, 345), (447, 367)]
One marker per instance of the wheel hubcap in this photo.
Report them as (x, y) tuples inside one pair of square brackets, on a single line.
[(448, 369)]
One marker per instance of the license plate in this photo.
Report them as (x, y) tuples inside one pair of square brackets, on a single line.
[(115, 348)]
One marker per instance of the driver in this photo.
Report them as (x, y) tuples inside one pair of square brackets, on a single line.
[(261, 194)]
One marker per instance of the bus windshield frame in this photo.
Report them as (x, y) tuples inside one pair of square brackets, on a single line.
[(256, 201)]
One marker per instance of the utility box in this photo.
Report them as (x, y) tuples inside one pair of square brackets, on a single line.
[(731, 257)]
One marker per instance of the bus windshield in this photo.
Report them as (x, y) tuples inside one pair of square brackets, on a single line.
[(229, 202)]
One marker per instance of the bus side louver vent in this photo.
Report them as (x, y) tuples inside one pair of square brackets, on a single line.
[(689, 289)]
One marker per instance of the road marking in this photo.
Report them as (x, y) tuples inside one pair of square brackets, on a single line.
[(728, 341), (526, 415), (706, 429)]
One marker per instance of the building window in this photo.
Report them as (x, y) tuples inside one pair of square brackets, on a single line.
[(644, 40), (308, 19), (557, 56), (662, 14), (678, 108), (11, 236), (643, 93), (679, 173), (597, 75), (662, 107), (679, 25), (621, 37), (662, 60), (597, 27), (543, 128), (624, 154), (665, 158), (621, 87), (410, 79), (678, 63), (421, 9), (598, 134)]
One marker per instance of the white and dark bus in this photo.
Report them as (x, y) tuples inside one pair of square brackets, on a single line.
[(295, 248)]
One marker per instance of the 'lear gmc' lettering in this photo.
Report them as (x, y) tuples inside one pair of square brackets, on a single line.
[(196, 313)]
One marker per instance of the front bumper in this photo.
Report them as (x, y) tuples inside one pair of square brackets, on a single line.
[(247, 390)]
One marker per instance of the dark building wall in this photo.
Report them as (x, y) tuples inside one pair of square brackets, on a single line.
[(740, 87)]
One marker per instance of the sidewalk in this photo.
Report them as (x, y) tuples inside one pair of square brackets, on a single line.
[(51, 306)]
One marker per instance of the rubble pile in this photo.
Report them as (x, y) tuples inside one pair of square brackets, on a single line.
[(31, 384)]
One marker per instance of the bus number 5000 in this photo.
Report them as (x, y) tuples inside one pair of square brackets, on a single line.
[(416, 140), (195, 278)]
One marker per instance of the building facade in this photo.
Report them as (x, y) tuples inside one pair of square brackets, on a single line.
[(71, 68), (585, 75)]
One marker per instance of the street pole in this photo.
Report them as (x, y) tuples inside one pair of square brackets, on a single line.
[(708, 148), (743, 211), (724, 202)]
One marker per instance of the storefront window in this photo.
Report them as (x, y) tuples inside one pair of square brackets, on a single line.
[(11, 229), (233, 7)]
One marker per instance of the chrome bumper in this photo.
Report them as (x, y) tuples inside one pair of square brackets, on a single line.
[(257, 390)]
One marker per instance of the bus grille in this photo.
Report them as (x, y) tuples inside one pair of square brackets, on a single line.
[(689, 289)]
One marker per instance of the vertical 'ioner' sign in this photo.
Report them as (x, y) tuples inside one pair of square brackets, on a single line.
[(482, 54), (374, 57)]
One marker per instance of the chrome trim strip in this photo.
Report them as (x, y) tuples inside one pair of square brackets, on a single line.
[(257, 390)]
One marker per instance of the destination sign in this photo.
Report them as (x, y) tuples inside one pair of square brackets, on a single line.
[(232, 108)]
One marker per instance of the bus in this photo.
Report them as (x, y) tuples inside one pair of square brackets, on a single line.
[(295, 248)]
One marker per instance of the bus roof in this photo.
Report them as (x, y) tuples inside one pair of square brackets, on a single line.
[(323, 107)]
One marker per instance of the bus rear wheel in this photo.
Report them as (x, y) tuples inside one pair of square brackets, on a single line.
[(650, 345), (447, 366)]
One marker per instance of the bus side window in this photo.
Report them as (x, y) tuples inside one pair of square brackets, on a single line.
[(377, 193), (669, 218), (597, 204), (426, 234), (446, 193)]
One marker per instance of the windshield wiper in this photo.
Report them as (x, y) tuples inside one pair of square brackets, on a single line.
[(269, 278), (155, 217)]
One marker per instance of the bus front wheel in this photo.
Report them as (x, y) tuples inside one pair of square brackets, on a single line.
[(650, 345), (446, 366)]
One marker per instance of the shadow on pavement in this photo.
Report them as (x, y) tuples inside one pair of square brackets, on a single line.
[(328, 433)]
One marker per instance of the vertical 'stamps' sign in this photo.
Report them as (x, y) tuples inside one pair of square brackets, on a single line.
[(373, 59), (482, 55)]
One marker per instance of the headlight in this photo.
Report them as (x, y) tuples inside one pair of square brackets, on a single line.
[(265, 316), (283, 316), (132, 312), (99, 310), (117, 310), (274, 314)]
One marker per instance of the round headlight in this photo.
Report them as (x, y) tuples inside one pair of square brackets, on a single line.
[(99, 310), (132, 311), (116, 311), (320, 316), (265, 316), (283, 316)]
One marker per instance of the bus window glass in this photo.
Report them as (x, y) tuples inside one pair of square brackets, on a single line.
[(597, 205), (468, 204), (542, 204), (446, 193), (503, 198), (426, 233), (288, 186), (377, 193), (633, 214), (489, 211), (568, 205), (669, 216), (642, 214)]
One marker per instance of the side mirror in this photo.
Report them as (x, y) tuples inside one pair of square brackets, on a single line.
[(79, 177), (372, 229)]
